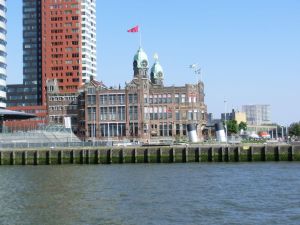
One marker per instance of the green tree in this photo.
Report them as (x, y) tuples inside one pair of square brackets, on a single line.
[(232, 127), (294, 129), (242, 126)]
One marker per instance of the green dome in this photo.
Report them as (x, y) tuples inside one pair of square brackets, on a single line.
[(157, 71), (140, 59)]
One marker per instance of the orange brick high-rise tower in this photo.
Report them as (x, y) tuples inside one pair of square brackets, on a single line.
[(59, 42)]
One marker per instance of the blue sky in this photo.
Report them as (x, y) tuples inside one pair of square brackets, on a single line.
[(249, 51)]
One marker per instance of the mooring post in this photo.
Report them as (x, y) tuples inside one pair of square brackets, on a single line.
[(249, 154), (72, 157), (209, 154), (185, 154), (158, 156), (197, 154), (226, 154), (24, 158), (82, 155), (36, 158), (97, 156), (134, 156), (60, 157), (12, 158), (291, 153), (121, 156), (220, 154), (1, 158), (276, 153), (109, 156), (48, 157), (263, 153), (172, 155), (88, 157), (146, 156)]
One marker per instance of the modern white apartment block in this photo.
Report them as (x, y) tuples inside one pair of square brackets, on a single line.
[(88, 17), (3, 54)]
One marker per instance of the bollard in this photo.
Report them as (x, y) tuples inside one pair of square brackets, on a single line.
[(12, 158), (36, 158), (24, 158), (146, 156), (121, 156), (172, 155)]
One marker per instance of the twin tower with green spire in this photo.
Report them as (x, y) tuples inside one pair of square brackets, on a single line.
[(140, 67)]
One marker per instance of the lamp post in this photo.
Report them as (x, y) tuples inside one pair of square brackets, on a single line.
[(225, 121), (94, 127)]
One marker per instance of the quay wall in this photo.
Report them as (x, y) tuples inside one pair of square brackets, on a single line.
[(170, 154)]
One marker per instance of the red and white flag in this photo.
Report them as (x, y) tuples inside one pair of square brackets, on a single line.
[(134, 29)]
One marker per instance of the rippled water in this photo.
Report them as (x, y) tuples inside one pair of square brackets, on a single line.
[(245, 193)]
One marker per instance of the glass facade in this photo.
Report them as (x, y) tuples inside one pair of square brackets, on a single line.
[(32, 45)]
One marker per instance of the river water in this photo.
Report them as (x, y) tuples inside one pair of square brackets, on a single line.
[(237, 193)]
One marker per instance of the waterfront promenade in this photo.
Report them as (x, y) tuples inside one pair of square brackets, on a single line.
[(156, 154)]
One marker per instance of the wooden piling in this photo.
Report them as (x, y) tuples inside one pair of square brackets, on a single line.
[(185, 155), (134, 156), (109, 156), (172, 155), (97, 157), (146, 156), (88, 157), (121, 156), (61, 157), (291, 153), (12, 158), (210, 155), (263, 153), (36, 158), (24, 158), (198, 154), (158, 155), (276, 153)]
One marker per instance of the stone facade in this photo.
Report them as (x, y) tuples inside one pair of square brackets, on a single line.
[(143, 110)]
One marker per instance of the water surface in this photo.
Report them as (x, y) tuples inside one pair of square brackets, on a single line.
[(220, 193)]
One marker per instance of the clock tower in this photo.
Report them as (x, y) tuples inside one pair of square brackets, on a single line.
[(157, 73)]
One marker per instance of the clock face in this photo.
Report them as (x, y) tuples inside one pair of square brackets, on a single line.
[(159, 75), (144, 63)]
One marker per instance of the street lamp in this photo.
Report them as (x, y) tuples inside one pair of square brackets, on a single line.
[(94, 127), (225, 121)]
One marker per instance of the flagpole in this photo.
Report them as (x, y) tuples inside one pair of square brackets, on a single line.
[(140, 38)]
